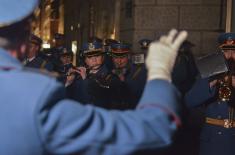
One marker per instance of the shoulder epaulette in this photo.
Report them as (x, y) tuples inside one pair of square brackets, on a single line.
[(137, 71), (42, 66), (108, 77)]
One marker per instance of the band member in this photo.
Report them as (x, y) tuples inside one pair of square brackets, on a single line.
[(217, 95), (133, 76), (98, 85), (34, 59)]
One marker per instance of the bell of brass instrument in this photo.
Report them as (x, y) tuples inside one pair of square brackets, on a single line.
[(225, 88)]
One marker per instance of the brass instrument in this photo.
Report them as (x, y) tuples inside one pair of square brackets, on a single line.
[(225, 88)]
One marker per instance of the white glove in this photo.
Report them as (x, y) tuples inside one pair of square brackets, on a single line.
[(162, 54)]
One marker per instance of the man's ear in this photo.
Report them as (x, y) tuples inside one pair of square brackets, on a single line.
[(23, 48), (18, 52), (22, 52)]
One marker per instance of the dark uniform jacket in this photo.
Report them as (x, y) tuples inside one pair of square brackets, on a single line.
[(102, 89), (133, 85), (214, 139), (39, 63)]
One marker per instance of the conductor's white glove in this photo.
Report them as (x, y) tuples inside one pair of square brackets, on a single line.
[(162, 54)]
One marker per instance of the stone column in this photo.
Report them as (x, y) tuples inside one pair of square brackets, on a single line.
[(229, 16), (233, 16), (117, 20)]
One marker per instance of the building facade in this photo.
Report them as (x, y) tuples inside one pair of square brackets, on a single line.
[(49, 19), (203, 19), (132, 20)]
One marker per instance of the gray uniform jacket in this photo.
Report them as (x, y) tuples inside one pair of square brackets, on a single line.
[(36, 119)]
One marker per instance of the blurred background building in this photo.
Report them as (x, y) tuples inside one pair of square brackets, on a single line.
[(132, 20), (49, 19)]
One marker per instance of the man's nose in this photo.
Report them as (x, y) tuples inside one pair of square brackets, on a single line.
[(94, 59), (119, 60)]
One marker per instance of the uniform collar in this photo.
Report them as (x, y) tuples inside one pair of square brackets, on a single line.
[(7, 61), (103, 69)]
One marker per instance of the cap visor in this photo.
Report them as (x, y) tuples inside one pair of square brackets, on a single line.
[(94, 53), (119, 54)]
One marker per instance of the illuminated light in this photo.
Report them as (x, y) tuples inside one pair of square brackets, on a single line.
[(74, 50), (71, 28), (112, 36), (46, 45), (74, 46)]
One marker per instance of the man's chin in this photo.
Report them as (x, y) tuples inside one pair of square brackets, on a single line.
[(119, 66), (95, 67)]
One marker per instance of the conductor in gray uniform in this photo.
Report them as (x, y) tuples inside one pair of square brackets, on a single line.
[(43, 122)]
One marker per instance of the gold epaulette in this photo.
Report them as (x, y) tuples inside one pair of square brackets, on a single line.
[(108, 77), (137, 71)]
